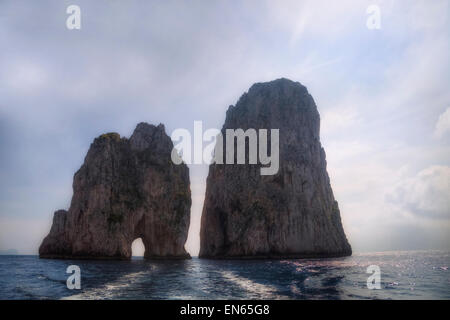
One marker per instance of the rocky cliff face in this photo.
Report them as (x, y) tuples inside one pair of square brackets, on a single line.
[(126, 189), (290, 214)]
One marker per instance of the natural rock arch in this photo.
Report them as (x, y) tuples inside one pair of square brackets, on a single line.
[(137, 248), (126, 189)]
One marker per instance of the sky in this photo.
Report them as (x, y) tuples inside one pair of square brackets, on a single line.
[(383, 96)]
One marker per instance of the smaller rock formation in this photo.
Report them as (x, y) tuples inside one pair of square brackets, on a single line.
[(126, 189)]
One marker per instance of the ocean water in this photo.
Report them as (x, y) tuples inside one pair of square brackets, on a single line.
[(404, 275)]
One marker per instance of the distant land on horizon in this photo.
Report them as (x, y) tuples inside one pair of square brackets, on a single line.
[(9, 252)]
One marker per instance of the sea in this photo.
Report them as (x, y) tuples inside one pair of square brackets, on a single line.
[(402, 275)]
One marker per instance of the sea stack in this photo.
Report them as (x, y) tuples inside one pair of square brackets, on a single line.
[(126, 189), (290, 214)]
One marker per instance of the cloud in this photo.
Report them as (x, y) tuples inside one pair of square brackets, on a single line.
[(318, 18), (443, 124), (339, 118), (24, 77), (425, 195)]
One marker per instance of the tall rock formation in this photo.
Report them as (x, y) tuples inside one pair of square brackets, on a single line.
[(292, 213), (126, 189)]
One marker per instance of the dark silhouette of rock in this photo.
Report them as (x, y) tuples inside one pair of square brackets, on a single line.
[(126, 189), (291, 214)]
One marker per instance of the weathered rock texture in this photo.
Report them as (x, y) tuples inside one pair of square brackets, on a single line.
[(126, 189), (290, 214)]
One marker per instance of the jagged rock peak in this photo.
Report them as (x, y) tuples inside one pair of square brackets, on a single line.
[(125, 189)]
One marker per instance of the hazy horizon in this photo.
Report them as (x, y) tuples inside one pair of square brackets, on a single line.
[(382, 95)]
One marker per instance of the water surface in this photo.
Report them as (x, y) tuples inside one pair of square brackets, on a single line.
[(404, 275)]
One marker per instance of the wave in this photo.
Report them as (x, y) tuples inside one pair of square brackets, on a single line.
[(109, 290), (254, 289)]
